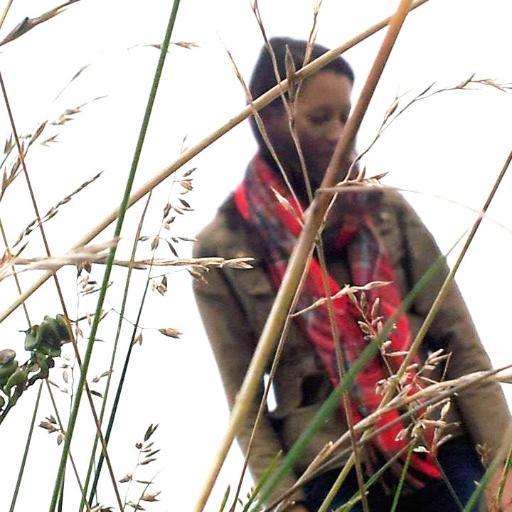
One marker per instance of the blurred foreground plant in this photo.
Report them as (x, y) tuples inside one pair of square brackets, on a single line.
[(44, 342)]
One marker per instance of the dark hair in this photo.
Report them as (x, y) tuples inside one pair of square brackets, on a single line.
[(263, 76)]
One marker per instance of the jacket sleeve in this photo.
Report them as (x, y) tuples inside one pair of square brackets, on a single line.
[(454, 331), (233, 344)]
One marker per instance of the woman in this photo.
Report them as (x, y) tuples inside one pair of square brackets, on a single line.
[(368, 237)]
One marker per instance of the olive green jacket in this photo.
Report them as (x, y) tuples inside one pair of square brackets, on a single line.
[(234, 306)]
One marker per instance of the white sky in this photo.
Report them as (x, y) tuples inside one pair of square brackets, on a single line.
[(452, 145)]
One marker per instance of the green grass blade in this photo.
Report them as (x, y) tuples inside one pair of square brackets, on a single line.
[(346, 507), (110, 259), (112, 359), (472, 504), (117, 397), (225, 499), (27, 447), (400, 486), (263, 480)]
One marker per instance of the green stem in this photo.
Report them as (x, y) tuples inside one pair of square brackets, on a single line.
[(402, 479), (60, 506), (504, 477), (118, 395), (114, 352), (27, 447), (471, 505), (324, 507), (110, 259), (346, 507), (225, 499)]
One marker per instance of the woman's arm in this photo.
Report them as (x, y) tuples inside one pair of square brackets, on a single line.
[(233, 342)]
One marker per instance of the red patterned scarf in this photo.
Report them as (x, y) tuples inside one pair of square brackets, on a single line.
[(367, 262)]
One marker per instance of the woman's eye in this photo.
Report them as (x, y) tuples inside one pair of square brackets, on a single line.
[(321, 119)]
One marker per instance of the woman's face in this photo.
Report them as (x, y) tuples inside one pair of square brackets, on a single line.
[(322, 109)]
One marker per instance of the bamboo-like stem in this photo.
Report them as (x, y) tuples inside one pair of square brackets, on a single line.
[(14, 273), (120, 218), (313, 220), (114, 352), (27, 447), (261, 409), (290, 109), (187, 155), (319, 247), (5, 12)]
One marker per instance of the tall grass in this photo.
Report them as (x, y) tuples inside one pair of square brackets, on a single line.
[(86, 257)]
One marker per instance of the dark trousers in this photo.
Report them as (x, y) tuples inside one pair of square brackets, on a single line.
[(460, 464)]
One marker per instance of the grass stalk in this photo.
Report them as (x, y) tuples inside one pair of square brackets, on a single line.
[(114, 349), (29, 438), (61, 427), (5, 12), (491, 469), (122, 211), (398, 491), (346, 507), (290, 109), (225, 499), (324, 507), (125, 366), (263, 401), (119, 390), (341, 369), (313, 220), (190, 153), (27, 447), (504, 476)]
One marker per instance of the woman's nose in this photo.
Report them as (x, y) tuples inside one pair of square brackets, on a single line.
[(334, 132)]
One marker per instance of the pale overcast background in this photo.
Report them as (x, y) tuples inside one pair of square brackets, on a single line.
[(452, 146)]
